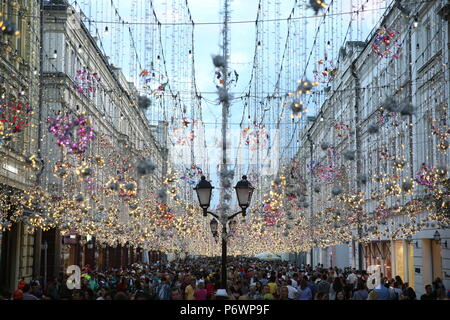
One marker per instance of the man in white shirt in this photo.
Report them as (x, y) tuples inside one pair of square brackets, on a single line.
[(352, 279), (292, 291)]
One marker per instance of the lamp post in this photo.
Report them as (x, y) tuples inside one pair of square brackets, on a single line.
[(244, 192)]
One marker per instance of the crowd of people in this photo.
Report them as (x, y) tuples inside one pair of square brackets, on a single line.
[(199, 279)]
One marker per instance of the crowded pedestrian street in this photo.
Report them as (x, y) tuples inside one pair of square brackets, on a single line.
[(248, 279), (200, 151)]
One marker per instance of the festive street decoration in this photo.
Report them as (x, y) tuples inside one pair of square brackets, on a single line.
[(219, 78), (14, 117), (387, 43), (255, 136), (87, 82), (73, 133), (317, 5), (325, 71), (192, 174), (342, 129), (153, 82)]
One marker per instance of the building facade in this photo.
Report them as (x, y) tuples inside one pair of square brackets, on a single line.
[(381, 155), (19, 141), (78, 81)]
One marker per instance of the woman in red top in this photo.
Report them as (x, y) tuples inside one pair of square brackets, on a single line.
[(201, 293), (122, 285), (210, 290)]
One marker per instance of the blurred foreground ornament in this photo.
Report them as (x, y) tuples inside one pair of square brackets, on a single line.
[(337, 190), (218, 61), (373, 129), (145, 167), (317, 5)]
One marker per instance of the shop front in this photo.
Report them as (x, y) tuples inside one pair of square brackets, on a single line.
[(403, 257), (378, 253)]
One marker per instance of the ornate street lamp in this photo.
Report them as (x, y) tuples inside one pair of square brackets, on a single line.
[(244, 192), (204, 191)]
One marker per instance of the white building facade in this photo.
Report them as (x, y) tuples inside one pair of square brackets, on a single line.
[(403, 233), (79, 80)]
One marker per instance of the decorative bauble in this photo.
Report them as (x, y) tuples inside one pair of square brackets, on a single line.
[(305, 86), (86, 172), (407, 186), (443, 145), (79, 198), (407, 109), (133, 206), (218, 61), (362, 179), (324, 145), (297, 107), (114, 186), (317, 5), (317, 189), (337, 190), (277, 181), (129, 186), (442, 171), (99, 160), (145, 167), (349, 155), (399, 164), (373, 129), (391, 105)]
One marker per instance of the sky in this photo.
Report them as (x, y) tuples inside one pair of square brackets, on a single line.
[(208, 38)]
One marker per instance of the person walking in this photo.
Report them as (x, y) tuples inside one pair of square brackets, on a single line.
[(190, 290), (304, 292), (201, 293), (383, 290), (429, 294), (162, 291), (335, 287), (292, 291), (323, 286), (361, 292), (27, 295)]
